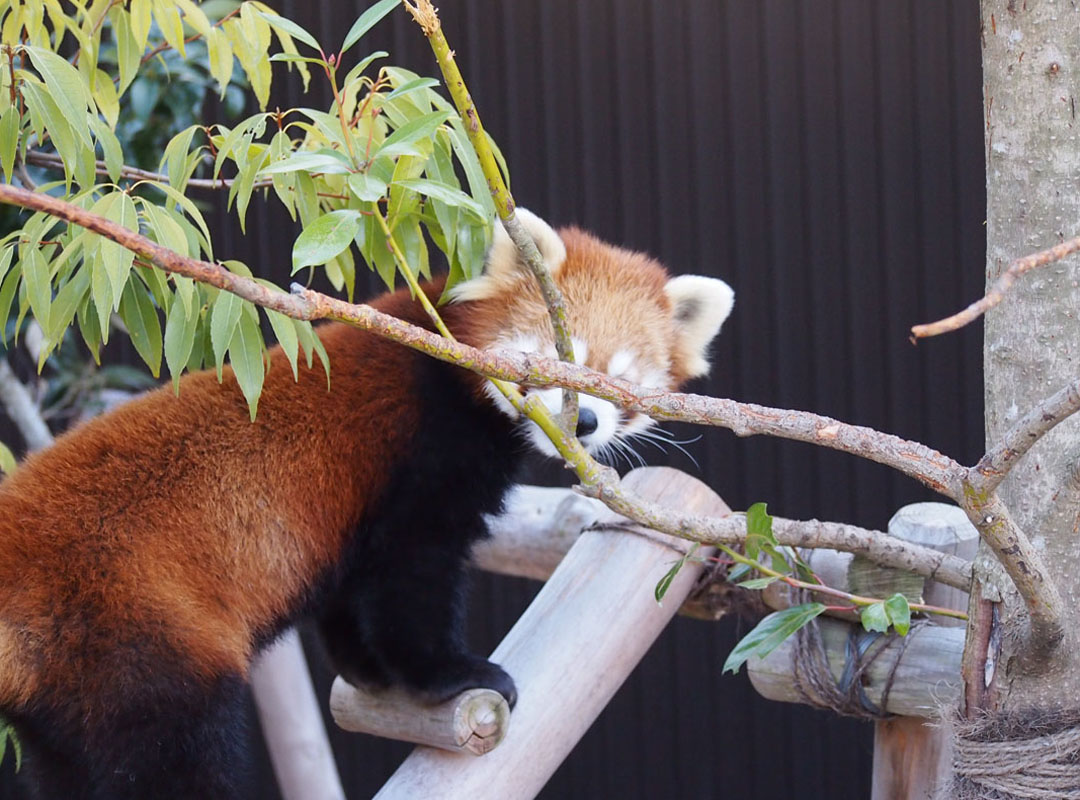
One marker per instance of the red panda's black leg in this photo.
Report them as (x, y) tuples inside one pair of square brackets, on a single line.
[(406, 627)]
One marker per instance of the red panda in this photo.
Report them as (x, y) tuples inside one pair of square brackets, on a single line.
[(149, 554)]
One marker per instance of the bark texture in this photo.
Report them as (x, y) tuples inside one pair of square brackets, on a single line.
[(1031, 67)]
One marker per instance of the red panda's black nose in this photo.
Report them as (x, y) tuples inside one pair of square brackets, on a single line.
[(586, 422)]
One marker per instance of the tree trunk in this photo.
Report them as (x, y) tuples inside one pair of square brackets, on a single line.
[(1031, 67)]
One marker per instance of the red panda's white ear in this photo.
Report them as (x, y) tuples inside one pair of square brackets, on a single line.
[(504, 265), (699, 306)]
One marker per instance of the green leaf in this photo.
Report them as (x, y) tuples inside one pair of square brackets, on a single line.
[(106, 98), (478, 187), (758, 583), (116, 259), (191, 210), (221, 58), (875, 618), (665, 582), (737, 572), (366, 187), (358, 70), (9, 138), (224, 317), (400, 142), (67, 302), (308, 162), (325, 238), (64, 82), (287, 338), (292, 29), (36, 279), (366, 21), (770, 633), (140, 22), (176, 161), (899, 613), (7, 466), (140, 316), (411, 86), (447, 194), (179, 340), (246, 358), (167, 16), (110, 147)]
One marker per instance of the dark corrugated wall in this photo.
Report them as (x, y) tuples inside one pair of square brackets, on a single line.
[(824, 157)]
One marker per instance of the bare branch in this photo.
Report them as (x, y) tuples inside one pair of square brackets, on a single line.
[(539, 525), (992, 468), (1023, 564), (996, 292), (875, 545), (53, 161)]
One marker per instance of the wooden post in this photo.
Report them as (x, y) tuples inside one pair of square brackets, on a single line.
[(292, 725), (911, 758), (572, 648)]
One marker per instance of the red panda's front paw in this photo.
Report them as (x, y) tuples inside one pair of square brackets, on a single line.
[(468, 672)]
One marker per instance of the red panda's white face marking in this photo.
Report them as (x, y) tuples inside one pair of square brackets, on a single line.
[(628, 319)]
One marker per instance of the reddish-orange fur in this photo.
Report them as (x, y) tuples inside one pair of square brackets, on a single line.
[(130, 492)]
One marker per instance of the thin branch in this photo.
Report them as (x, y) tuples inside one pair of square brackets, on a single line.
[(997, 292), (879, 547), (427, 17), (1023, 564), (53, 161), (992, 468)]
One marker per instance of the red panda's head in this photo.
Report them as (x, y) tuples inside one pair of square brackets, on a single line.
[(628, 318)]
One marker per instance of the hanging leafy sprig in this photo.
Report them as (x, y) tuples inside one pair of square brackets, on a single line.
[(786, 566)]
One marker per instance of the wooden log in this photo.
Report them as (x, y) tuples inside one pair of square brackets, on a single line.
[(292, 725), (911, 758), (928, 673), (572, 648), (473, 722), (535, 531)]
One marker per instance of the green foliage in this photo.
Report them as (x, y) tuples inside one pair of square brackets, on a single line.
[(86, 82), (7, 734), (770, 633), (895, 612), (786, 565), (665, 582)]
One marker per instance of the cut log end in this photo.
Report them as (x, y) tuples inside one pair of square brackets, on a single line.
[(475, 721)]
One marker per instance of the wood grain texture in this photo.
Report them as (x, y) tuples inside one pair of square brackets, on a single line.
[(475, 721)]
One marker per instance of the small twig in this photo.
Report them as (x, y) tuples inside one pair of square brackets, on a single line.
[(23, 175), (992, 468), (819, 588), (53, 161), (997, 292), (166, 46)]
